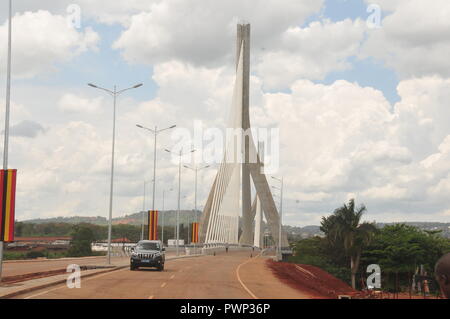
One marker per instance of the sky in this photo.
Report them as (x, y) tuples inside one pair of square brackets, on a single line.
[(358, 89)]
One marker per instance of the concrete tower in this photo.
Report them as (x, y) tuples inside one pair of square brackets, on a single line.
[(219, 222)]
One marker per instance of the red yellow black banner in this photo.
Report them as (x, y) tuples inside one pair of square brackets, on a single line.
[(153, 225), (195, 227), (7, 201)]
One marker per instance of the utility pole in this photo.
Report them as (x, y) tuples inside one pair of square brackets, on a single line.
[(179, 196), (281, 213), (114, 93), (155, 133), (143, 215), (7, 111), (196, 169), (163, 213)]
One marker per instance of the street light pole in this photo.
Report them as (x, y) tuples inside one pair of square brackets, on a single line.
[(8, 104), (196, 169), (155, 132), (163, 214), (281, 211), (114, 93), (179, 196), (143, 212), (112, 179), (178, 210), (143, 215)]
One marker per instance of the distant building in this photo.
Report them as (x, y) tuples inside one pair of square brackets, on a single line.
[(53, 243)]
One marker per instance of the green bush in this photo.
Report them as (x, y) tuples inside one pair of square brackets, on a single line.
[(13, 255), (82, 238), (34, 254)]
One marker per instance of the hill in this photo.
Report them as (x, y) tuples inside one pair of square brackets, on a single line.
[(133, 219)]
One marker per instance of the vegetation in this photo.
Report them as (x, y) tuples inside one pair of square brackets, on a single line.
[(401, 249), (345, 232), (21, 255), (398, 249), (82, 238), (100, 232)]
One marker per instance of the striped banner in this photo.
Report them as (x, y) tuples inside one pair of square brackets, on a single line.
[(153, 225), (195, 227), (7, 200)]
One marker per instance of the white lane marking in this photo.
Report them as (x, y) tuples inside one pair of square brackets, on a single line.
[(173, 276), (42, 293), (241, 282), (163, 285), (151, 297)]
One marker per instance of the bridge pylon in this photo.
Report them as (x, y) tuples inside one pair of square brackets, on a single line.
[(230, 197)]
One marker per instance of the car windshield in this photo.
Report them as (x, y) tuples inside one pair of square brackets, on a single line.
[(148, 246)]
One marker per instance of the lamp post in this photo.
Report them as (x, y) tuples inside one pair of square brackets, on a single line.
[(281, 211), (114, 94), (8, 103), (155, 133), (196, 169), (163, 213), (180, 154), (143, 212)]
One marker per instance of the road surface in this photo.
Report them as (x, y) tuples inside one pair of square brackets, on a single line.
[(232, 276), (22, 267)]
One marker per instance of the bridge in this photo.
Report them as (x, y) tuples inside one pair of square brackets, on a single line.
[(212, 272), (242, 164)]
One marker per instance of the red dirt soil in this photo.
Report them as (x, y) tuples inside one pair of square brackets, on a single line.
[(310, 279)]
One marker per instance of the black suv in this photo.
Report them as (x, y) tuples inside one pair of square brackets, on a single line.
[(148, 253)]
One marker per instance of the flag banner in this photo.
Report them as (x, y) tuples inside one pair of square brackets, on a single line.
[(7, 200), (195, 227), (153, 225)]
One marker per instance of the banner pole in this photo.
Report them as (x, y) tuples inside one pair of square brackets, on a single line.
[(8, 98)]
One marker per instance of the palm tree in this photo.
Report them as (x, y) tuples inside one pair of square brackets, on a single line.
[(343, 229)]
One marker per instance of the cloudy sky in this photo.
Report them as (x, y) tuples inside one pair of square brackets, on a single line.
[(363, 109)]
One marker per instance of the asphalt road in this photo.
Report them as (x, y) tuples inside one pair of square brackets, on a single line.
[(32, 266), (234, 275), (22, 267)]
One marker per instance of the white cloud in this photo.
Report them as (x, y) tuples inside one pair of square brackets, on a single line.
[(74, 103), (423, 114), (103, 11), (28, 129), (338, 141), (202, 32), (282, 51), (311, 52), (41, 41), (414, 39)]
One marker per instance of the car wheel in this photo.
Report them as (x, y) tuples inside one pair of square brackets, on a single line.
[(132, 267), (161, 268)]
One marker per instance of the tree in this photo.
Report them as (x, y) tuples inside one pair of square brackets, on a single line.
[(131, 232), (82, 238), (345, 232), (399, 249)]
